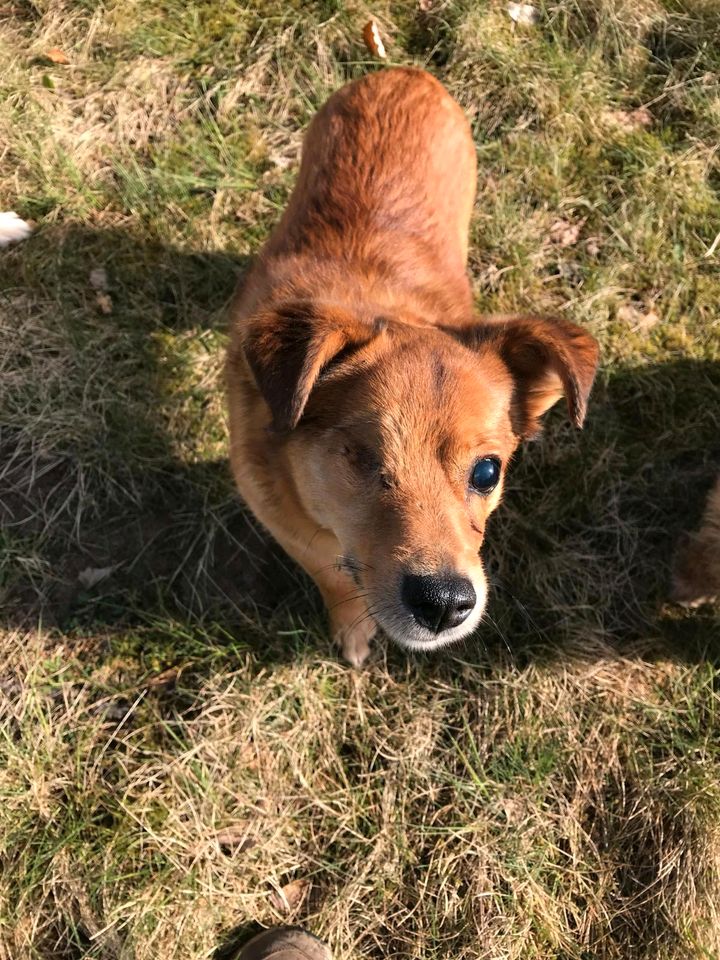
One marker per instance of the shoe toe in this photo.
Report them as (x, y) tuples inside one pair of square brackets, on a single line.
[(284, 943)]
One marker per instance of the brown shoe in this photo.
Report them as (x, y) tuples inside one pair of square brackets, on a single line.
[(284, 943)]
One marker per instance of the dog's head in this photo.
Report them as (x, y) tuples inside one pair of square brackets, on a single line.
[(399, 437)]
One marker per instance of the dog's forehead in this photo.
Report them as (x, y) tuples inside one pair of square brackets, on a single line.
[(442, 386)]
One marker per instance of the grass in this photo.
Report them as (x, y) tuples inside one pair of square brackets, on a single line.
[(183, 759)]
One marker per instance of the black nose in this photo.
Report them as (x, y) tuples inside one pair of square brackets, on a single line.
[(438, 603)]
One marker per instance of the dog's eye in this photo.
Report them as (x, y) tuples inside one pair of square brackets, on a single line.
[(362, 458), (485, 475)]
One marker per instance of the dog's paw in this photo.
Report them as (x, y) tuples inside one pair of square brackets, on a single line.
[(354, 640)]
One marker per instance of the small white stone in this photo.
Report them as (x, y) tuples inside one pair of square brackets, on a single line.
[(524, 13), (12, 228), (99, 279)]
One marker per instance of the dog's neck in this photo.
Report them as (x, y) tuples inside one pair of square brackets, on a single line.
[(408, 292)]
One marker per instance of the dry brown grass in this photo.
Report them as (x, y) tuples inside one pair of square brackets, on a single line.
[(544, 810), (179, 743)]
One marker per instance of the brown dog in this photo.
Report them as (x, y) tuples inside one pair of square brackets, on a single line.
[(372, 416), (696, 577)]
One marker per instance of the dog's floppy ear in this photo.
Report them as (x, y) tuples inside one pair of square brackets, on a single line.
[(548, 358), (288, 347)]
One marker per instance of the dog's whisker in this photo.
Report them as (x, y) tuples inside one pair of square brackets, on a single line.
[(350, 599), (522, 606), (369, 614), (328, 566), (317, 532), (354, 562), (499, 632)]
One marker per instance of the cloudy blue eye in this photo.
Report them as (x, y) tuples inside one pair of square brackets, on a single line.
[(485, 474)]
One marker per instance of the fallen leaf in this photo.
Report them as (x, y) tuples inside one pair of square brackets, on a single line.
[(56, 55), (515, 810), (113, 710), (491, 274), (91, 576), (165, 678), (638, 319), (566, 233), (99, 279), (373, 40), (524, 13), (628, 313), (10, 687), (289, 898), (629, 120), (649, 320), (236, 837), (104, 303), (641, 117), (13, 228)]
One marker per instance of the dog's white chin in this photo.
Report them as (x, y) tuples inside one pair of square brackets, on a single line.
[(407, 633)]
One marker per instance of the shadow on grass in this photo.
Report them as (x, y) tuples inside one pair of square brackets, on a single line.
[(579, 554), (119, 497)]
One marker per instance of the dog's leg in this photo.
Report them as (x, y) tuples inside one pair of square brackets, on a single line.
[(313, 548), (351, 623), (696, 575)]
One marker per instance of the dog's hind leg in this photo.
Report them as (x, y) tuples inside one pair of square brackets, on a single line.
[(696, 577)]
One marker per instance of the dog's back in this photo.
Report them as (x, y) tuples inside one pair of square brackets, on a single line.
[(388, 158)]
